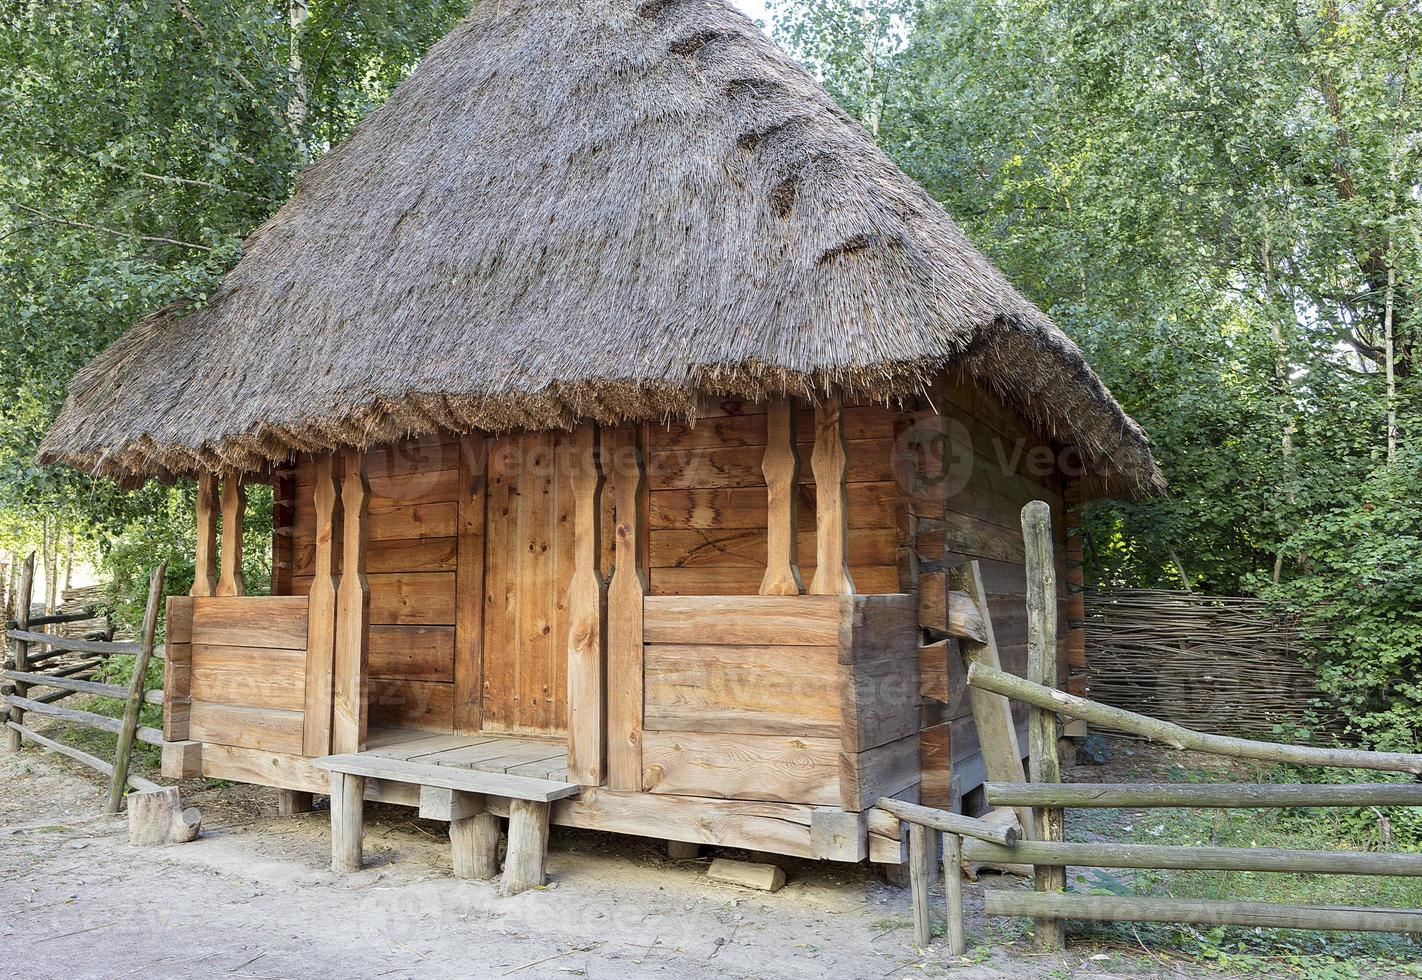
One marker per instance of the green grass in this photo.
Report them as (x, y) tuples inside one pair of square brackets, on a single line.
[(1241, 949)]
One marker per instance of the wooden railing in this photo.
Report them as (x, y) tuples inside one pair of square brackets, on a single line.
[(1042, 803), (150, 819)]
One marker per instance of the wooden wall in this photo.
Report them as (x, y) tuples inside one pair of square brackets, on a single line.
[(410, 564), (707, 506), (247, 670)]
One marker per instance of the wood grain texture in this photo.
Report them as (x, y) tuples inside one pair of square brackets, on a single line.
[(257, 677), (752, 690), (742, 767), (321, 612), (234, 508), (781, 466), (421, 705), (625, 597), (412, 598), (744, 620), (353, 609), (206, 509), (417, 653), (267, 729), (889, 769), (278, 622), (469, 586), (829, 462), (587, 651)]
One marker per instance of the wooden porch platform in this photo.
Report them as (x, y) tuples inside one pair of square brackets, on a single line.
[(513, 754)]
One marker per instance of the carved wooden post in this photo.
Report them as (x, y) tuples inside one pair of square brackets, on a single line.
[(321, 615), (624, 615), (234, 506), (1050, 933), (205, 557), (22, 649), (830, 464), (587, 662), (352, 614), (781, 467)]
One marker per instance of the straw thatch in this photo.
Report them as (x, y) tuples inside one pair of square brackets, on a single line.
[(581, 209)]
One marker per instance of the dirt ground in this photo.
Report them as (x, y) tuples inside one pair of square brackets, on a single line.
[(254, 897)]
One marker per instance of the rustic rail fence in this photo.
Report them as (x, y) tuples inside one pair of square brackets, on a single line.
[(1046, 798), (1230, 664), (40, 660)]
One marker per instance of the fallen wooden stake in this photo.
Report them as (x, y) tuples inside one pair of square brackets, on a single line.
[(1177, 736), (765, 877), (159, 817)]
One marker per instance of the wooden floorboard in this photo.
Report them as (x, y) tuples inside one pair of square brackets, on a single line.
[(538, 758)]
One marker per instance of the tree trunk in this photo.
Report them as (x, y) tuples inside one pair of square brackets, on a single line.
[(297, 12)]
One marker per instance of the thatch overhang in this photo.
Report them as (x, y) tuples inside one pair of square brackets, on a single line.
[(582, 209)]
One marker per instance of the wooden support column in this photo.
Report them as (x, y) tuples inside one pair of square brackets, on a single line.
[(624, 612), (205, 557), (830, 463), (347, 821), (469, 586), (524, 862), (22, 648), (781, 467), (234, 508), (321, 616), (290, 802), (352, 614), (474, 845), (587, 651), (1049, 932)]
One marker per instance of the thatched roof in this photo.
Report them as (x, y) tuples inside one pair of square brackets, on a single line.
[(581, 209)]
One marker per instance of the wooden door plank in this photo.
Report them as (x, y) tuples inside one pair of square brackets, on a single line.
[(500, 584)]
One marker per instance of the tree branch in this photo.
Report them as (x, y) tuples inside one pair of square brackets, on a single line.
[(109, 231)]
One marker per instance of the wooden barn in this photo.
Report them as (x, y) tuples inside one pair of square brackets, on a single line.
[(630, 417)]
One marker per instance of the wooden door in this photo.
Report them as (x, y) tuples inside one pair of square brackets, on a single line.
[(528, 565)]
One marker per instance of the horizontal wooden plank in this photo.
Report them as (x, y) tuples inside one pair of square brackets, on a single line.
[(1200, 911), (412, 599), (250, 621), (870, 505), (866, 777), (765, 690), (287, 771), (448, 777), (746, 547), (421, 653), (396, 555), (879, 701), (740, 466), (1109, 854), (268, 729), (731, 580), (742, 767), (1224, 795), (257, 677), (403, 523), (422, 705), (804, 620)]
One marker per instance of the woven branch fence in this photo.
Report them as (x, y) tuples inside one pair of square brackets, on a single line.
[(1225, 664)]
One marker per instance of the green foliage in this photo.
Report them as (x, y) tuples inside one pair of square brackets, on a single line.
[(1217, 202), (141, 141)]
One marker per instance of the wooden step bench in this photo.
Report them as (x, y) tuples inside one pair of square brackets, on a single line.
[(456, 795)]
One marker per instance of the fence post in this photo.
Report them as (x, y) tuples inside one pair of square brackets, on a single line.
[(953, 892), (22, 648), (921, 848), (124, 751), (1045, 767)]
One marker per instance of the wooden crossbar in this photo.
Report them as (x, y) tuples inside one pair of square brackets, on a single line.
[(1165, 856), (1223, 795)]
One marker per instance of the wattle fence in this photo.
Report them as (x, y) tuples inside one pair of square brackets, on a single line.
[(1226, 664)]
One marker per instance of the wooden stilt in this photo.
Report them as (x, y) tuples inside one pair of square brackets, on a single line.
[(953, 892), (528, 847), (474, 845), (681, 850), (290, 802), (920, 865), (347, 821)]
